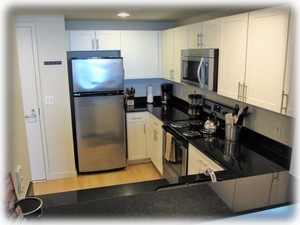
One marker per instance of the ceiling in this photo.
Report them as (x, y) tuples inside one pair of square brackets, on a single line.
[(142, 12)]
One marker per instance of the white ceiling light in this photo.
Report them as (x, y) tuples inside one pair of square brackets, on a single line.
[(123, 14)]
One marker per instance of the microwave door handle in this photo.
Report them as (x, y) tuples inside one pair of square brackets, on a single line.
[(198, 72)]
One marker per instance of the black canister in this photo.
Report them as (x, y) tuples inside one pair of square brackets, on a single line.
[(166, 93)]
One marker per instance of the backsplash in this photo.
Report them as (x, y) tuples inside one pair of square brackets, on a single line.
[(260, 120), (140, 86)]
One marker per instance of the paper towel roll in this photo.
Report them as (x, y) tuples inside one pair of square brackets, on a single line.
[(149, 94)]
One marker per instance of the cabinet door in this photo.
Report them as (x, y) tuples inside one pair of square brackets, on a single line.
[(194, 35), (136, 136), (82, 40), (266, 56), (108, 40), (156, 143), (211, 34), (140, 50), (168, 52), (233, 43), (180, 42)]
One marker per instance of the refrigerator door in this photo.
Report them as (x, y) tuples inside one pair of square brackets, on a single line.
[(100, 132), (97, 74)]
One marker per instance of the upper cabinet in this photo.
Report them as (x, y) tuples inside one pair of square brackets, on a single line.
[(140, 52), (89, 40), (204, 35), (180, 42), (167, 54), (174, 40), (232, 55), (253, 57), (140, 49)]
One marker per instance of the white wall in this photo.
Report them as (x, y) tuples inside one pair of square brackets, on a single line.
[(16, 149), (50, 31)]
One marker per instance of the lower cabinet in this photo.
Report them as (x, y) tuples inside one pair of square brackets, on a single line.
[(145, 139), (199, 162), (137, 135), (155, 143)]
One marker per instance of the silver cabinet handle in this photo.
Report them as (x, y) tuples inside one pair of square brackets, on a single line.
[(97, 44), (93, 44), (239, 91), (199, 37), (284, 103), (244, 92)]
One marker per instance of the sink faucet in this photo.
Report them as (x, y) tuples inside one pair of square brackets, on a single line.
[(211, 173)]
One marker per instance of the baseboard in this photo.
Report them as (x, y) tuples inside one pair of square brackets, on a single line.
[(54, 176), (131, 162), (30, 190)]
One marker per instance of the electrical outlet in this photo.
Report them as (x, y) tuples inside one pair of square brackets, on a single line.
[(278, 129), (49, 100)]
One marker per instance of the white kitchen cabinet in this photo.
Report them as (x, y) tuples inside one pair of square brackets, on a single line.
[(89, 40), (174, 40), (253, 57), (266, 57), (194, 35), (156, 142), (198, 162), (140, 52), (204, 34), (180, 42), (167, 54), (137, 135), (232, 55)]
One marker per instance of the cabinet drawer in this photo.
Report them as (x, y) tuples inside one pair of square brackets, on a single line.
[(199, 162), (136, 117)]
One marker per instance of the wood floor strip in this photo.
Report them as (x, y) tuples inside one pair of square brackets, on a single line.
[(131, 174)]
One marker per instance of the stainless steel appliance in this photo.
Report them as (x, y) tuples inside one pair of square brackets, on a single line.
[(98, 113), (184, 130), (166, 93), (200, 68)]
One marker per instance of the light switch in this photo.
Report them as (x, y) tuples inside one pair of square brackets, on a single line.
[(49, 100)]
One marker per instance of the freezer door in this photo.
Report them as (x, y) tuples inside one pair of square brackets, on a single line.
[(100, 132), (97, 75)]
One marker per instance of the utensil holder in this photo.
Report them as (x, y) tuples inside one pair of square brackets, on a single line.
[(232, 132)]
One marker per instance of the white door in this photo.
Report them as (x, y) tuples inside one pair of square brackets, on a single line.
[(28, 66)]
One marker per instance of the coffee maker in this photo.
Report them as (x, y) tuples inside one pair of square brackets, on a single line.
[(166, 93)]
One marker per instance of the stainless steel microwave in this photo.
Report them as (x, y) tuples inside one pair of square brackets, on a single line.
[(199, 68)]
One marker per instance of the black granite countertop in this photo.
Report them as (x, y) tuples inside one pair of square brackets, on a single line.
[(201, 202), (253, 155), (192, 196)]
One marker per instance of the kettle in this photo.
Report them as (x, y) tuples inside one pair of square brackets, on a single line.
[(211, 124)]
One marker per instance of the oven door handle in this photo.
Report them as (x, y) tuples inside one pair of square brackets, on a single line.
[(198, 73)]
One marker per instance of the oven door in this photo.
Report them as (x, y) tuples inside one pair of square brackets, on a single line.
[(177, 165)]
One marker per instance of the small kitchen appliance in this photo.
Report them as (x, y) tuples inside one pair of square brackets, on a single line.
[(200, 68), (166, 93)]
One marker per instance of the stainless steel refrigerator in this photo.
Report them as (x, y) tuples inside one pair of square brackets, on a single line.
[(98, 113)]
